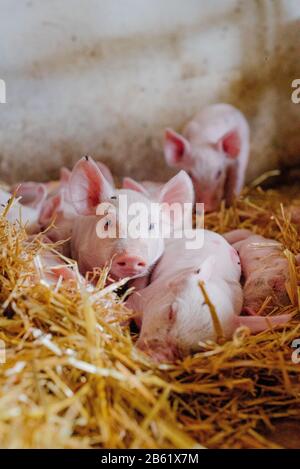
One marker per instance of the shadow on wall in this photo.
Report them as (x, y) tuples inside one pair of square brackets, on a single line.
[(287, 70), (177, 86), (264, 94), (112, 97)]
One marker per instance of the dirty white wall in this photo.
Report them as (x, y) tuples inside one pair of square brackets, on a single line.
[(105, 77)]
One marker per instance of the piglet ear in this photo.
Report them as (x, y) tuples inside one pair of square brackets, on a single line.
[(65, 175), (133, 185), (63, 271), (230, 144), (32, 194), (176, 149), (88, 186), (49, 210), (106, 172), (51, 267), (178, 190)]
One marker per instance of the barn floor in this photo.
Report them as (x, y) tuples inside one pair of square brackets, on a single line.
[(73, 379)]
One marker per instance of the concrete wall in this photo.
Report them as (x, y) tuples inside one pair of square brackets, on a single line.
[(105, 77)]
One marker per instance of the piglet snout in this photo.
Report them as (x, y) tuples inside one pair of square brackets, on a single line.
[(128, 266), (210, 198), (165, 352), (210, 202)]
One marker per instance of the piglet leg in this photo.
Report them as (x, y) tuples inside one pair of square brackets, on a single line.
[(262, 323), (237, 235)]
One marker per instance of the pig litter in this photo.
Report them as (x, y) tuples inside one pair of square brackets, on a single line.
[(72, 377)]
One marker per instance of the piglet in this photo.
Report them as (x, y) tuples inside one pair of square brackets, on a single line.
[(295, 216), (50, 268), (33, 194), (214, 150), (176, 315), (57, 212), (97, 241), (32, 198), (30, 194), (14, 211), (265, 270)]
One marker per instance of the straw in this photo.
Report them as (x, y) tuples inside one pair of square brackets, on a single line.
[(74, 379)]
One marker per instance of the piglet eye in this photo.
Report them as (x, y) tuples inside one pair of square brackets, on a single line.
[(151, 226), (198, 271), (219, 174)]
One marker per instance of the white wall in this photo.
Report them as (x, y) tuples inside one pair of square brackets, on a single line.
[(105, 77)]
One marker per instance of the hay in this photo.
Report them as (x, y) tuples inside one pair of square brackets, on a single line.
[(73, 379)]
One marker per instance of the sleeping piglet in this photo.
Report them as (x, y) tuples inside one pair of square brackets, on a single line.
[(265, 269), (50, 268), (33, 194), (15, 211), (214, 150), (57, 214), (91, 244), (31, 198), (176, 315)]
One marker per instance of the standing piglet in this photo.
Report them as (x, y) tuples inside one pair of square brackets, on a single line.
[(265, 270), (97, 241), (214, 150)]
